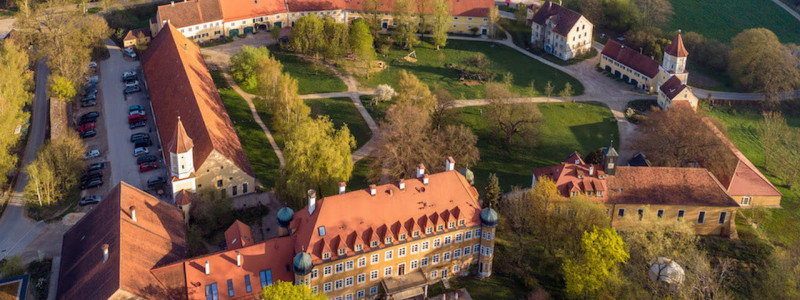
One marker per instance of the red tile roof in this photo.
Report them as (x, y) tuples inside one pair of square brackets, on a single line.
[(155, 239), (132, 34), (571, 176), (238, 235), (183, 197), (563, 18), (244, 9), (666, 186), (673, 87), (746, 179), (676, 48), (180, 85), (357, 217), (631, 58), (181, 142), (191, 12)]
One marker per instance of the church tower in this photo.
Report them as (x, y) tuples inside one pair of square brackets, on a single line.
[(674, 62), (488, 223), (610, 157), (181, 161)]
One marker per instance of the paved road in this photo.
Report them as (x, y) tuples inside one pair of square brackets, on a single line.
[(787, 9), (18, 230)]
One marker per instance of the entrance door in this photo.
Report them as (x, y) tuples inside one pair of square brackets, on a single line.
[(484, 30), (401, 269), (385, 24)]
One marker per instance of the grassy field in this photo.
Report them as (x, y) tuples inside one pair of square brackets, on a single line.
[(358, 180), (432, 69), (567, 127), (262, 159), (723, 19), (342, 111), (310, 80)]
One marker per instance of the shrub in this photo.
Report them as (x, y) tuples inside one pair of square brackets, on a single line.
[(11, 266)]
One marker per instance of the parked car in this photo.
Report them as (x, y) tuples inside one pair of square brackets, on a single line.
[(87, 134), (136, 118), (92, 184), (87, 200), (93, 79), (130, 83), (140, 135), (96, 166), (93, 64), (90, 116), (129, 75), (129, 52), (146, 159), (88, 97), (142, 143), (137, 112), (91, 176), (140, 151), (88, 103), (135, 107), (86, 126), (147, 167), (156, 181), (132, 89), (137, 125), (90, 90), (91, 154)]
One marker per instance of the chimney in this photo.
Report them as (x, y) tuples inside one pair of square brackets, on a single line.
[(105, 252), (372, 190), (208, 268), (450, 164), (133, 213), (401, 184), (420, 170), (342, 187), (312, 201), (238, 259), (591, 171), (425, 179)]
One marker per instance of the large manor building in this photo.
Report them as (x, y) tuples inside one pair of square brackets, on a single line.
[(560, 31), (203, 20), (389, 241), (668, 79)]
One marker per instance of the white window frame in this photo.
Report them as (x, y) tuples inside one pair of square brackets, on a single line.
[(446, 256), (746, 200), (315, 274), (435, 259), (387, 271), (412, 265), (362, 262), (437, 243), (327, 287), (423, 262), (327, 271), (458, 238), (349, 265), (388, 255), (361, 278), (448, 240), (338, 268), (350, 280), (374, 275), (338, 284), (373, 290), (401, 252), (426, 246), (375, 258), (414, 249)]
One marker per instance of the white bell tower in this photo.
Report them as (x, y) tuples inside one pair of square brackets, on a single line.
[(181, 161)]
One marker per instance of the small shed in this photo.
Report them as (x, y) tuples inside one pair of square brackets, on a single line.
[(138, 36)]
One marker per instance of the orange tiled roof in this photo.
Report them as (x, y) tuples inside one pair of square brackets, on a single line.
[(631, 58), (183, 197), (156, 238), (676, 47), (573, 175), (467, 8), (666, 186), (191, 12), (238, 235), (181, 142), (244, 9), (180, 85)]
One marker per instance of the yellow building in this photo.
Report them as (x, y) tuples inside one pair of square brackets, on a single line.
[(629, 65), (561, 32)]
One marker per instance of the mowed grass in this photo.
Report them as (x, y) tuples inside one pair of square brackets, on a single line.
[(566, 127), (342, 111), (723, 19), (263, 159), (432, 68), (358, 179), (310, 79), (781, 225)]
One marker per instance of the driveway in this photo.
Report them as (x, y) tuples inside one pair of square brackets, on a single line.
[(116, 111)]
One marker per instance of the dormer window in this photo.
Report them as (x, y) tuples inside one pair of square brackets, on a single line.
[(415, 234), (403, 237), (588, 193), (599, 193), (429, 230), (574, 194), (451, 225), (342, 251), (326, 255), (461, 222), (577, 161), (388, 240), (358, 247), (374, 244), (439, 228)]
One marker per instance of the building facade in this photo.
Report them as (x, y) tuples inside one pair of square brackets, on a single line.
[(560, 31), (204, 20), (630, 66)]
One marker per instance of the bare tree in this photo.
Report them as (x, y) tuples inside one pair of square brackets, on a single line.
[(511, 120), (443, 111)]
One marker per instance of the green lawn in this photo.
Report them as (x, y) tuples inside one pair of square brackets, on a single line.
[(723, 19), (358, 179), (432, 69), (378, 112), (567, 127), (262, 158), (342, 111), (310, 80)]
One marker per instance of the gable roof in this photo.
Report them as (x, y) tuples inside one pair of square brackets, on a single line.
[(132, 34), (676, 48), (243, 9), (667, 186), (571, 176), (180, 85), (563, 18), (190, 12), (238, 235), (673, 87), (156, 238), (631, 58), (446, 198)]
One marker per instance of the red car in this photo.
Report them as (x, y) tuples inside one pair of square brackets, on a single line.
[(136, 118), (147, 167), (86, 126)]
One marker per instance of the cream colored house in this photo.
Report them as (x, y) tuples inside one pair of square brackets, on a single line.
[(561, 32)]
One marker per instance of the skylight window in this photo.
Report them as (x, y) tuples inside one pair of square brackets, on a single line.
[(322, 231)]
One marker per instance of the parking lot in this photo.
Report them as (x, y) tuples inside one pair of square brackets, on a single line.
[(113, 132)]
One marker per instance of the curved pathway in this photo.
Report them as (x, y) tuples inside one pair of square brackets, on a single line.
[(249, 99)]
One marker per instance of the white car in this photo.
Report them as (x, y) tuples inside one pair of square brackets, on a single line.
[(137, 112), (93, 79), (140, 151), (131, 83), (91, 154), (129, 74)]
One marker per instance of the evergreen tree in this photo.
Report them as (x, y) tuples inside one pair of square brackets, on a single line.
[(491, 193)]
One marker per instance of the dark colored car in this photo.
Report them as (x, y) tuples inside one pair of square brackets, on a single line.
[(89, 97), (90, 117), (147, 167), (96, 166), (92, 184), (88, 103), (132, 89), (92, 175), (156, 181), (87, 200), (140, 135), (87, 134), (142, 143), (146, 159), (137, 124)]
